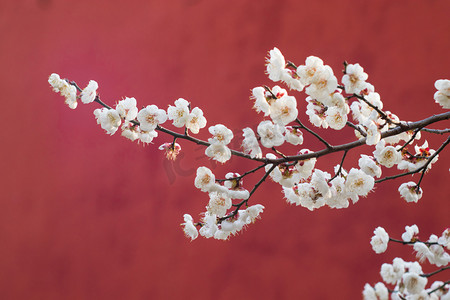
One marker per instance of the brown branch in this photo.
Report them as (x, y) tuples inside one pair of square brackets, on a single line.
[(340, 167), (422, 168), (435, 272), (437, 131), (238, 205), (315, 134), (439, 287)]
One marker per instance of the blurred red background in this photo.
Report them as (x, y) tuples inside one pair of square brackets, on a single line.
[(87, 216)]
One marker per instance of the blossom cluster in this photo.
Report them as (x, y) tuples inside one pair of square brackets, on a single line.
[(216, 222), (407, 278), (328, 104)]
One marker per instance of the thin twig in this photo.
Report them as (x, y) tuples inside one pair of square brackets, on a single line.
[(412, 243), (435, 272), (340, 167), (410, 140), (315, 134), (379, 111), (243, 175), (439, 287), (238, 205), (447, 141), (422, 168), (357, 128), (437, 131)]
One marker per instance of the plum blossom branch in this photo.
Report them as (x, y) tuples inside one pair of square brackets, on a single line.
[(411, 242), (437, 131), (340, 167), (313, 133), (439, 287), (435, 272), (420, 169), (243, 175)]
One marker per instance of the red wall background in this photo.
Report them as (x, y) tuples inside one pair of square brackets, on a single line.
[(88, 216)]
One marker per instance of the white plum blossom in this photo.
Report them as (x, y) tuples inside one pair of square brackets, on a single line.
[(373, 132), (380, 240), (409, 191), (392, 273), (309, 197), (218, 204), (253, 213), (308, 71), (90, 92), (335, 118), (172, 150), (204, 179), (444, 240), (339, 195), (108, 119), (189, 228), (442, 96), (378, 292), (323, 84), (130, 131), (305, 167), (319, 182), (276, 65), (150, 117), (56, 82), (410, 232), (127, 109), (66, 90), (221, 134), (284, 110), (261, 100), (147, 136), (293, 136), (70, 93), (285, 176), (291, 195), (354, 79), (316, 112), (369, 166), (218, 152), (195, 120), (359, 182), (250, 143), (209, 227), (179, 113), (414, 283), (435, 253), (387, 156), (271, 134)]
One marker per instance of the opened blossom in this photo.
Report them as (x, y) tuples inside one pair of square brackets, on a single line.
[(221, 134), (127, 109), (189, 228), (271, 134), (354, 79), (410, 192), (171, 149), (90, 92), (195, 120), (250, 143), (218, 152), (284, 110), (204, 179), (109, 119), (179, 113), (380, 240), (150, 117), (442, 96)]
